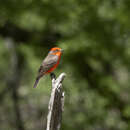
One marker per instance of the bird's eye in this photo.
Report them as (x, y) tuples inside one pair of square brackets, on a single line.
[(56, 50)]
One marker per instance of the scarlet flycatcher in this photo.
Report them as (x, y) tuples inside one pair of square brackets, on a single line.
[(49, 63)]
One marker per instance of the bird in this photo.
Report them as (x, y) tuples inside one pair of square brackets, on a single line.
[(49, 64)]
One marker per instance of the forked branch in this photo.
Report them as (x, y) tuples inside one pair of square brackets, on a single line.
[(56, 103)]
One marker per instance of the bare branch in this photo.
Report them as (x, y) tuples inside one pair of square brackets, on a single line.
[(56, 103)]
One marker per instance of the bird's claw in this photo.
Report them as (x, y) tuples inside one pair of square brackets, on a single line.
[(53, 76)]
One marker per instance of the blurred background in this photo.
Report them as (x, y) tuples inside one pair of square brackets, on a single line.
[(95, 37)]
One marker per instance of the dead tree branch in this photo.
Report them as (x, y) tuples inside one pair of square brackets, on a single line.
[(56, 103)]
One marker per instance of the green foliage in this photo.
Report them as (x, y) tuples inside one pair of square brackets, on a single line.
[(95, 37)]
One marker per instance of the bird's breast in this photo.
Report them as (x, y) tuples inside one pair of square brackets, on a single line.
[(54, 67)]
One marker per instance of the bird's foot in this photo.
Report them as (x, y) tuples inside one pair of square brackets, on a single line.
[(53, 76)]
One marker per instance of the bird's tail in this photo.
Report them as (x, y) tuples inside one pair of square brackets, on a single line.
[(36, 82)]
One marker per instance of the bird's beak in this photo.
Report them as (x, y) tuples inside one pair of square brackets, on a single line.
[(62, 50)]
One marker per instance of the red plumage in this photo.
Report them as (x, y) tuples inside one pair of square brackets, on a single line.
[(49, 63)]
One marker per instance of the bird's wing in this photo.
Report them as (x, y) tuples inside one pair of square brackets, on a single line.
[(48, 63)]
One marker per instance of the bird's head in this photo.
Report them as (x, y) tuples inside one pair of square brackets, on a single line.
[(56, 51)]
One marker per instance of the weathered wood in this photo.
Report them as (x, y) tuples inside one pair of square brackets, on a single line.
[(56, 103)]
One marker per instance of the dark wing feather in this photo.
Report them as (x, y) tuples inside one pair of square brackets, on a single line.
[(48, 63)]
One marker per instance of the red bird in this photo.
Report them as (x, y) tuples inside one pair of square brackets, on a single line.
[(49, 63)]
